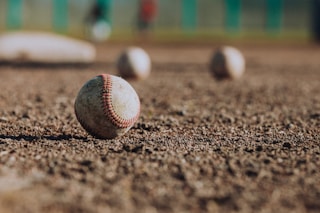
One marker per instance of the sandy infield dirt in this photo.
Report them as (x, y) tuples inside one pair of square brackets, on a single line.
[(199, 145)]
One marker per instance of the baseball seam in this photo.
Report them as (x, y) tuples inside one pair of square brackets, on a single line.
[(108, 110)]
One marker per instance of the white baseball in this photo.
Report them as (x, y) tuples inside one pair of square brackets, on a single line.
[(227, 62), (107, 106), (32, 46), (100, 31), (134, 63)]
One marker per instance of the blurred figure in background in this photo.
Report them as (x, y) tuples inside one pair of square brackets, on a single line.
[(98, 29), (316, 20), (146, 15)]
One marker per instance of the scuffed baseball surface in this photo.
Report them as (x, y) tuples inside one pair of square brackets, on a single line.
[(227, 62), (44, 47), (107, 106), (134, 63)]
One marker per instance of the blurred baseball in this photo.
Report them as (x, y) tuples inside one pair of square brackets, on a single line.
[(134, 63), (44, 47), (107, 106), (100, 31), (227, 62)]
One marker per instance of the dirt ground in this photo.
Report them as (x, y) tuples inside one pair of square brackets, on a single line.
[(200, 145)]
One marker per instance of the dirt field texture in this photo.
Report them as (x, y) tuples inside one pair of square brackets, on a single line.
[(200, 145)]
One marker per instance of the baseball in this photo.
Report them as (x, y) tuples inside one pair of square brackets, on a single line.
[(134, 63), (227, 62), (107, 106), (100, 31)]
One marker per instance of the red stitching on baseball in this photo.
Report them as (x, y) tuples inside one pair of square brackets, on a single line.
[(108, 107)]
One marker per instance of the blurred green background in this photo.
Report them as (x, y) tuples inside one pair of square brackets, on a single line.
[(176, 19)]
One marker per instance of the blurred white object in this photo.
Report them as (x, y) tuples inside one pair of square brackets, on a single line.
[(100, 31), (227, 62), (134, 63), (44, 47)]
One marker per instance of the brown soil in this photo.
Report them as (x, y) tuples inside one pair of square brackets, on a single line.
[(200, 145)]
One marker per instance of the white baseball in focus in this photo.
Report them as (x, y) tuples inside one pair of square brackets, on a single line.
[(134, 63), (227, 63), (107, 106)]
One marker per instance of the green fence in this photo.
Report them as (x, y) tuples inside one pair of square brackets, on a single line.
[(183, 16)]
